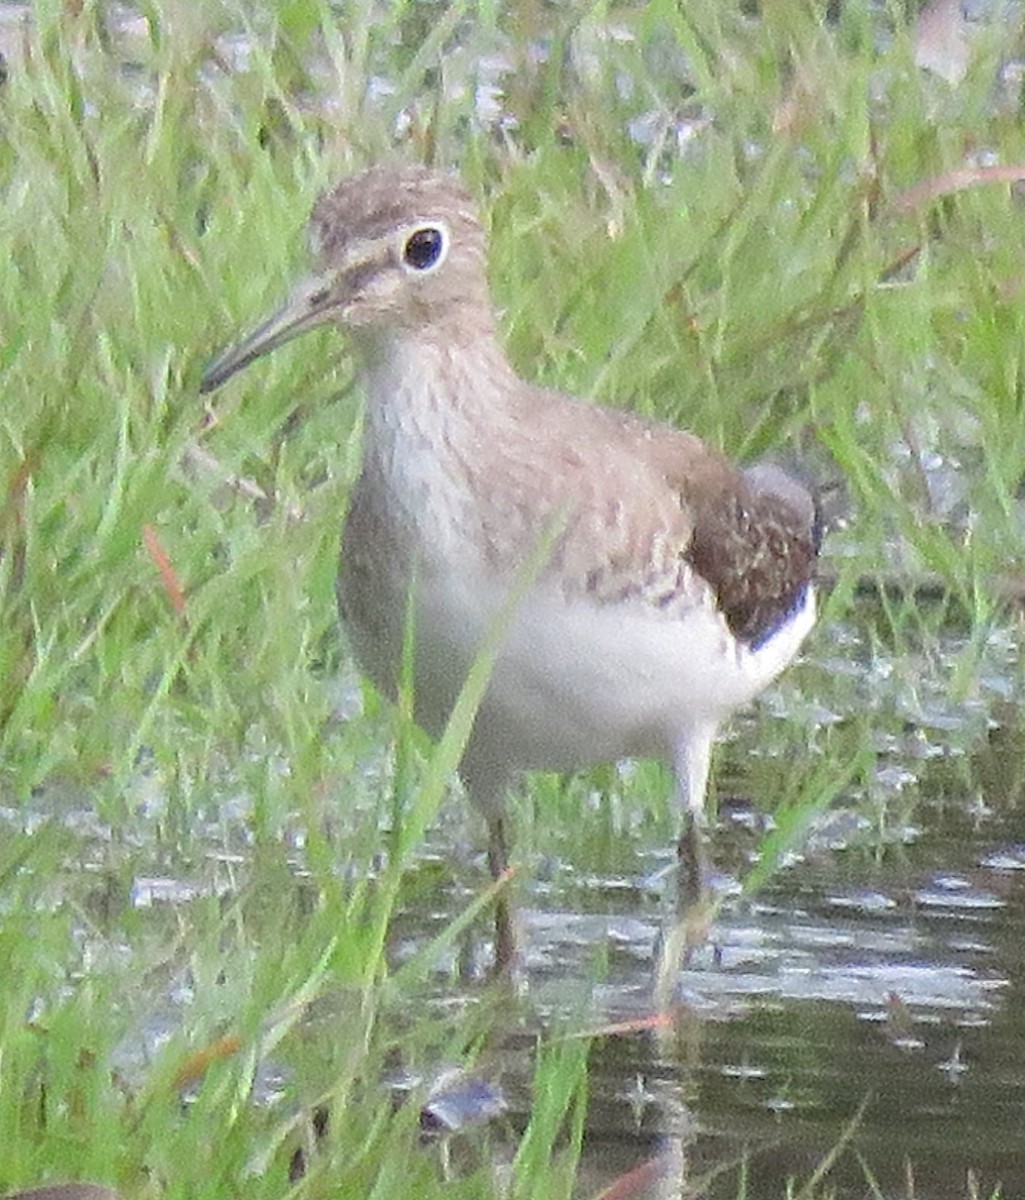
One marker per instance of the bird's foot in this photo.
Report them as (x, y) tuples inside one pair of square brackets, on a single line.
[(688, 928), (685, 932)]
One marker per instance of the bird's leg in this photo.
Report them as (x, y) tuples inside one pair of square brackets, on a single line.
[(693, 893), (692, 861), (498, 864), (487, 786), (690, 769)]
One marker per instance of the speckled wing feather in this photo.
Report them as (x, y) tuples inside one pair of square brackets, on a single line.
[(758, 553), (676, 521)]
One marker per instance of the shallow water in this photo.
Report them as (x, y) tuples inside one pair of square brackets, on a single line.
[(879, 973), (875, 980), (897, 990)]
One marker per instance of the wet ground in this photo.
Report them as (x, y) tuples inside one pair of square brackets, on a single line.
[(872, 987), (890, 995)]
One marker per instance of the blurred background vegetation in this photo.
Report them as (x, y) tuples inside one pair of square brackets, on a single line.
[(765, 222)]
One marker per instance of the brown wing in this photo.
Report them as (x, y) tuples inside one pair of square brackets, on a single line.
[(646, 507), (751, 534), (757, 549)]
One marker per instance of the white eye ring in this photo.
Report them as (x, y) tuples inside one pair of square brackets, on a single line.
[(424, 247)]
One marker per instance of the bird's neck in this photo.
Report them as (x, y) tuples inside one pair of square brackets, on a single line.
[(434, 415), (433, 388)]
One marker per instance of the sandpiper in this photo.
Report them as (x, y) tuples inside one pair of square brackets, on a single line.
[(676, 585)]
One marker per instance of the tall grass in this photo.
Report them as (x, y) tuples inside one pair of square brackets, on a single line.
[(168, 642)]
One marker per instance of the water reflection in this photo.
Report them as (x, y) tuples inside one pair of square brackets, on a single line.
[(878, 976), (889, 992)]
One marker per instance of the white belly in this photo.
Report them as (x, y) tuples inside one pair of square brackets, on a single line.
[(578, 683)]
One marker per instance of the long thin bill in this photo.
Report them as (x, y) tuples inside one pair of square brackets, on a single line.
[(309, 305)]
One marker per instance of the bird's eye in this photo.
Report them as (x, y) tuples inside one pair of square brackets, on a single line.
[(423, 248)]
